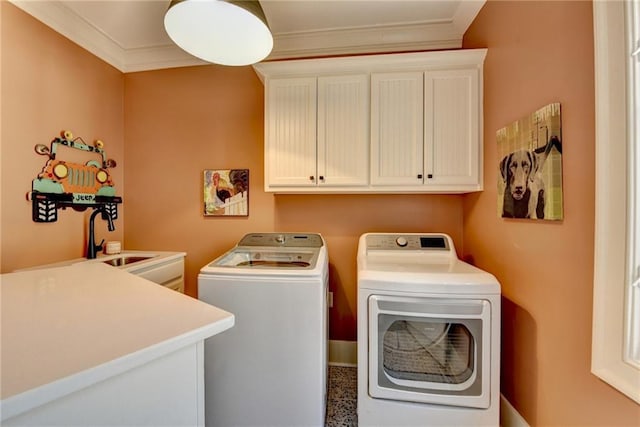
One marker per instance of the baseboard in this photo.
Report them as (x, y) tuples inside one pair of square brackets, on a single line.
[(343, 353), (509, 417)]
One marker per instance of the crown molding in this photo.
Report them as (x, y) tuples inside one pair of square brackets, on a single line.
[(412, 61), (65, 21), (157, 58), (364, 40), (71, 25), (378, 39)]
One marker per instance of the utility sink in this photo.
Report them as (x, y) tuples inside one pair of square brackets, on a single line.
[(163, 268), (126, 260)]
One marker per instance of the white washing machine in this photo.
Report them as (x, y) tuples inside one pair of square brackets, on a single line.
[(428, 334), (270, 369)]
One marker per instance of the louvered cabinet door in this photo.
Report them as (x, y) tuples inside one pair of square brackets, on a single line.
[(290, 129), (343, 131), (397, 129), (452, 134)]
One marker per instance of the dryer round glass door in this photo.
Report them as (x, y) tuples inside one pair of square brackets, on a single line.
[(429, 350)]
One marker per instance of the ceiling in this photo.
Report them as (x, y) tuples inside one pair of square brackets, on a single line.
[(129, 34)]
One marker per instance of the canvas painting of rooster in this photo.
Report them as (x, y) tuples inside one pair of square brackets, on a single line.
[(226, 192)]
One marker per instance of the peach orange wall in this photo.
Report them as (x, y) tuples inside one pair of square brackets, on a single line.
[(538, 53), (50, 84), (179, 122), (343, 218)]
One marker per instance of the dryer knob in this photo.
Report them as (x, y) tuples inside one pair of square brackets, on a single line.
[(401, 241), (280, 238)]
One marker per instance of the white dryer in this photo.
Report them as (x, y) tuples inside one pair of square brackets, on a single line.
[(428, 334), (270, 369)]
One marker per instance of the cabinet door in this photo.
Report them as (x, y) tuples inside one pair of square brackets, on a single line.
[(397, 128), (343, 131), (290, 146), (452, 133)]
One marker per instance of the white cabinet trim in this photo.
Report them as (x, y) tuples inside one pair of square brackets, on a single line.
[(420, 61), (611, 222)]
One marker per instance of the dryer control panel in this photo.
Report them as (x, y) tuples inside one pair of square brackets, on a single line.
[(409, 242)]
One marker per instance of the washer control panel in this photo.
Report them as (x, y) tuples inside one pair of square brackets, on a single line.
[(288, 240), (408, 242)]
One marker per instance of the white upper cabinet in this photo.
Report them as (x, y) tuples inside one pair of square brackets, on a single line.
[(399, 123), (453, 153), (317, 132), (343, 131), (290, 154), (425, 130)]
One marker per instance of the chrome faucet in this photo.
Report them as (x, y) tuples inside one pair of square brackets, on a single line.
[(92, 248)]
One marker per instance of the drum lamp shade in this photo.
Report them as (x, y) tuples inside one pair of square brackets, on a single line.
[(219, 31)]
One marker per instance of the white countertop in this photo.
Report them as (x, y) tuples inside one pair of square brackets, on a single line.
[(155, 257), (68, 327)]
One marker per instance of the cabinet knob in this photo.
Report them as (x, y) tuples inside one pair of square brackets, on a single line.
[(430, 176), (419, 176), (311, 177), (321, 177)]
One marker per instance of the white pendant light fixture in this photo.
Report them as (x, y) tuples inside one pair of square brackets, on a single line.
[(220, 31)]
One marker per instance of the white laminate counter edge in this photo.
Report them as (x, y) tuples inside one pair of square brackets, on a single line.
[(158, 320), (18, 404)]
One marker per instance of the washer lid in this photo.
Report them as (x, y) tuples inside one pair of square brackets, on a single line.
[(273, 254), (243, 257)]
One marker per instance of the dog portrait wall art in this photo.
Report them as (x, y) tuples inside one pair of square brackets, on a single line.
[(530, 166)]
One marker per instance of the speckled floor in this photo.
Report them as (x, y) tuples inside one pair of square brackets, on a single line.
[(342, 397)]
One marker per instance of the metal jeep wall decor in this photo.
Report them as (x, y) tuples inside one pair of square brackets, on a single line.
[(63, 184)]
